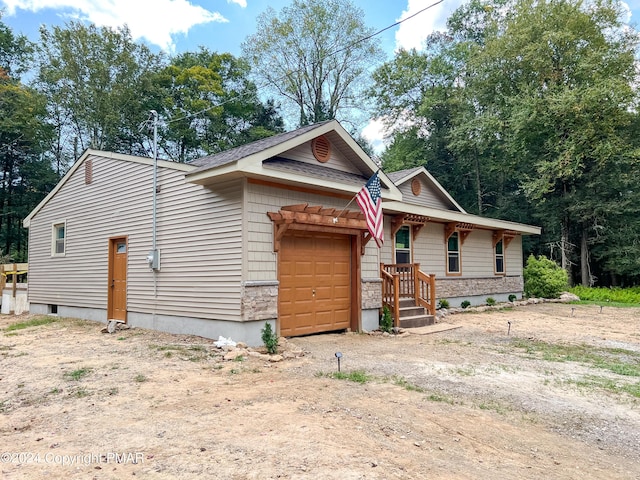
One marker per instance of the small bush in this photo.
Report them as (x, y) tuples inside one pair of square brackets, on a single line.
[(386, 322), (512, 298), (443, 303), (269, 338), (543, 278), (465, 304), (490, 301)]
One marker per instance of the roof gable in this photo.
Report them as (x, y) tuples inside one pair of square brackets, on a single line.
[(419, 187), (89, 153), (289, 158)]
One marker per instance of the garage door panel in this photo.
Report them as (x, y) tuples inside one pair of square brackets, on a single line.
[(320, 262)]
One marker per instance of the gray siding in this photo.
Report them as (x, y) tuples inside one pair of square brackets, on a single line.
[(199, 236), (337, 161), (476, 254), (428, 197), (261, 260)]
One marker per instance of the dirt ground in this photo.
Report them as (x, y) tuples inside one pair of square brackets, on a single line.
[(480, 399)]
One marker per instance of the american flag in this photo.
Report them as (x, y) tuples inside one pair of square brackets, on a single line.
[(371, 205)]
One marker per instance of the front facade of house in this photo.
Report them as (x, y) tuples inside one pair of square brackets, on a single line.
[(261, 233)]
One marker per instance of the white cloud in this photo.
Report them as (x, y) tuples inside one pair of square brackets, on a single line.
[(413, 32), (242, 3), (154, 20), (374, 133)]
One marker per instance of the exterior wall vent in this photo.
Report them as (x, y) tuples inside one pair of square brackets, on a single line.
[(88, 171), (321, 148), (416, 187)]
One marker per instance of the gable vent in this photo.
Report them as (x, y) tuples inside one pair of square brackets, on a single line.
[(416, 187), (321, 148), (88, 171)]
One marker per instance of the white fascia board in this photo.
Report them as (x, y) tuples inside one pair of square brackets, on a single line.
[(451, 216)]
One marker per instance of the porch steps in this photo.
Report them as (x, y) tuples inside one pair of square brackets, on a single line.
[(412, 315)]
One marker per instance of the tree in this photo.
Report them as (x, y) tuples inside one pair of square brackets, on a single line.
[(536, 110), (209, 105), (97, 84), (25, 173), (316, 55)]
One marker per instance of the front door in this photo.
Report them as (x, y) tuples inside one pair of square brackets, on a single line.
[(117, 302)]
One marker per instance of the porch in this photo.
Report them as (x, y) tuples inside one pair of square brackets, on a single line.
[(409, 293)]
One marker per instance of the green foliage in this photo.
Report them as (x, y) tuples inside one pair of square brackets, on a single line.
[(315, 55), (512, 298), (490, 301), (386, 321), (357, 376), (78, 374), (465, 304), (443, 303), (608, 295), (34, 322), (507, 111), (269, 338), (544, 278)]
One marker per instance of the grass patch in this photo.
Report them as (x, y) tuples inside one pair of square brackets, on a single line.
[(81, 393), (194, 353), (592, 382), (616, 360), (437, 397), (140, 378), (34, 322), (357, 376), (402, 382), (615, 296), (77, 374)]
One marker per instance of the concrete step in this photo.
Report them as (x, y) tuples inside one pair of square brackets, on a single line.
[(412, 311), (417, 321)]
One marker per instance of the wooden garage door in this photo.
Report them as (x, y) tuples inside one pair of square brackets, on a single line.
[(315, 283)]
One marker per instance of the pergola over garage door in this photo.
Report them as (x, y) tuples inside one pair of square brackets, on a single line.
[(318, 268)]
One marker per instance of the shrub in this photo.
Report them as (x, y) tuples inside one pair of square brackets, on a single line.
[(544, 278), (386, 322), (443, 303), (269, 338), (512, 298), (490, 301), (465, 304)]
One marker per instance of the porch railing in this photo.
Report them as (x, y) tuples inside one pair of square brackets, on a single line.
[(406, 280)]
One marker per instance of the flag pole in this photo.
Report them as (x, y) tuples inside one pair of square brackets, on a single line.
[(335, 219)]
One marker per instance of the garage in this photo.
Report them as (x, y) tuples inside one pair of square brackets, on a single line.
[(315, 283)]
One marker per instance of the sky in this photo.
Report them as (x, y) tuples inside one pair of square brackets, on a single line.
[(177, 26)]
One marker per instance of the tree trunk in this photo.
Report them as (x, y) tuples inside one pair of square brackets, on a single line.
[(478, 187), (565, 246), (585, 274)]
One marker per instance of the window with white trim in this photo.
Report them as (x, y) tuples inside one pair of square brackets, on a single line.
[(499, 257), (453, 253), (403, 244), (59, 234)]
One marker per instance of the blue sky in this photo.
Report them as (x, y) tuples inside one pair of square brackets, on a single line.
[(177, 26)]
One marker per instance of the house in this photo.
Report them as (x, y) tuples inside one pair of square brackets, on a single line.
[(266, 232)]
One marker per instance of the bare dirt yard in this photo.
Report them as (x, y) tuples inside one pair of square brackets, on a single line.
[(556, 397)]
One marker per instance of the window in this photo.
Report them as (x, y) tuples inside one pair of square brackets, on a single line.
[(403, 245), (59, 239), (453, 253), (499, 256)]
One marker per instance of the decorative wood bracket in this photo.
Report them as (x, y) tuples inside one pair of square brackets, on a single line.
[(505, 235), (316, 219), (463, 229), (417, 222)]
